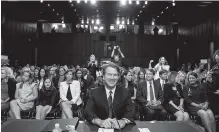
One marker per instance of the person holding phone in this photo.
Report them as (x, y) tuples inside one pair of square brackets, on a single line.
[(162, 65), (93, 66), (115, 57)]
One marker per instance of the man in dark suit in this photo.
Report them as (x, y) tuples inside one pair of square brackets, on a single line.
[(163, 79), (150, 96), (110, 99)]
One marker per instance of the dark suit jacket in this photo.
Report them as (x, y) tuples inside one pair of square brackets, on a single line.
[(158, 81), (97, 105), (11, 88), (90, 82), (141, 95)]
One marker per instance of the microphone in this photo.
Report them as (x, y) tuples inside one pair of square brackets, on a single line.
[(115, 117)]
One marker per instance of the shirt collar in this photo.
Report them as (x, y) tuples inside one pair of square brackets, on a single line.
[(113, 90)]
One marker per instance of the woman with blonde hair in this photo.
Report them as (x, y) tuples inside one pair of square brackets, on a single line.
[(174, 101), (25, 95), (8, 86)]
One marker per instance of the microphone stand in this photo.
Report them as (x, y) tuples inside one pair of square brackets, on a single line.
[(116, 117)]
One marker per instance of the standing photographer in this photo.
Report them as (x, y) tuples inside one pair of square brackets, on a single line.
[(115, 57), (93, 66)]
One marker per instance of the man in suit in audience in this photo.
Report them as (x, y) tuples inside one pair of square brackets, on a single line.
[(163, 78), (150, 96), (110, 99)]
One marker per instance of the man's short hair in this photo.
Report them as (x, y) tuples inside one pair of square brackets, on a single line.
[(162, 72), (151, 70), (112, 65)]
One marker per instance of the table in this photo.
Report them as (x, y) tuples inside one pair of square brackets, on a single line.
[(160, 126)]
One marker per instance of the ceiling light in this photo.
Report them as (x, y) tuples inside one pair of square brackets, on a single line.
[(53, 9), (63, 25), (152, 23), (162, 12), (87, 21), (143, 6), (174, 4), (123, 2), (160, 30), (97, 21), (136, 19), (41, 1), (128, 22), (101, 28), (118, 22), (85, 1), (57, 14), (138, 15), (167, 7), (137, 2), (97, 10), (173, 0), (86, 26), (158, 16), (123, 22), (82, 21), (70, 1), (146, 2), (62, 22), (140, 11), (93, 1), (133, 23), (48, 5), (78, 1), (82, 26), (75, 9), (72, 5), (92, 21), (111, 27), (130, 2), (95, 27)]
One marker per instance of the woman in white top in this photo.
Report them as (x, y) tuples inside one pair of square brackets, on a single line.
[(70, 91), (25, 95), (162, 65)]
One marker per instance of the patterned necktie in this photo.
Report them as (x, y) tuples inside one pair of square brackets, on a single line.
[(69, 96), (151, 92), (110, 103)]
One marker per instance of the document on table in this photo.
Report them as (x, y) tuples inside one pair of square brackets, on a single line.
[(105, 130), (144, 130)]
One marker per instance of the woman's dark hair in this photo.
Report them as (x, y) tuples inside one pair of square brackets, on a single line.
[(61, 67), (51, 87), (141, 71), (76, 77), (69, 70), (193, 74), (46, 74)]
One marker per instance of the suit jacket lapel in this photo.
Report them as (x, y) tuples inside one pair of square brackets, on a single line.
[(103, 97), (145, 89), (156, 88), (117, 96)]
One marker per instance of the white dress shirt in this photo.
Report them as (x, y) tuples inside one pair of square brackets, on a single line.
[(149, 92), (161, 83), (108, 92)]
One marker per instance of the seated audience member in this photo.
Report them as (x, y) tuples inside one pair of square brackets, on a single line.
[(163, 78), (216, 59), (110, 102), (141, 76), (83, 83), (46, 99), (52, 72), (42, 76), (89, 78), (127, 83), (181, 78), (59, 78), (212, 92), (99, 81), (173, 96), (25, 95), (115, 57), (8, 87), (36, 74), (150, 96), (70, 91), (197, 102)]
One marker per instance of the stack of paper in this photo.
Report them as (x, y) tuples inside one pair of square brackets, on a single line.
[(105, 130), (144, 130)]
